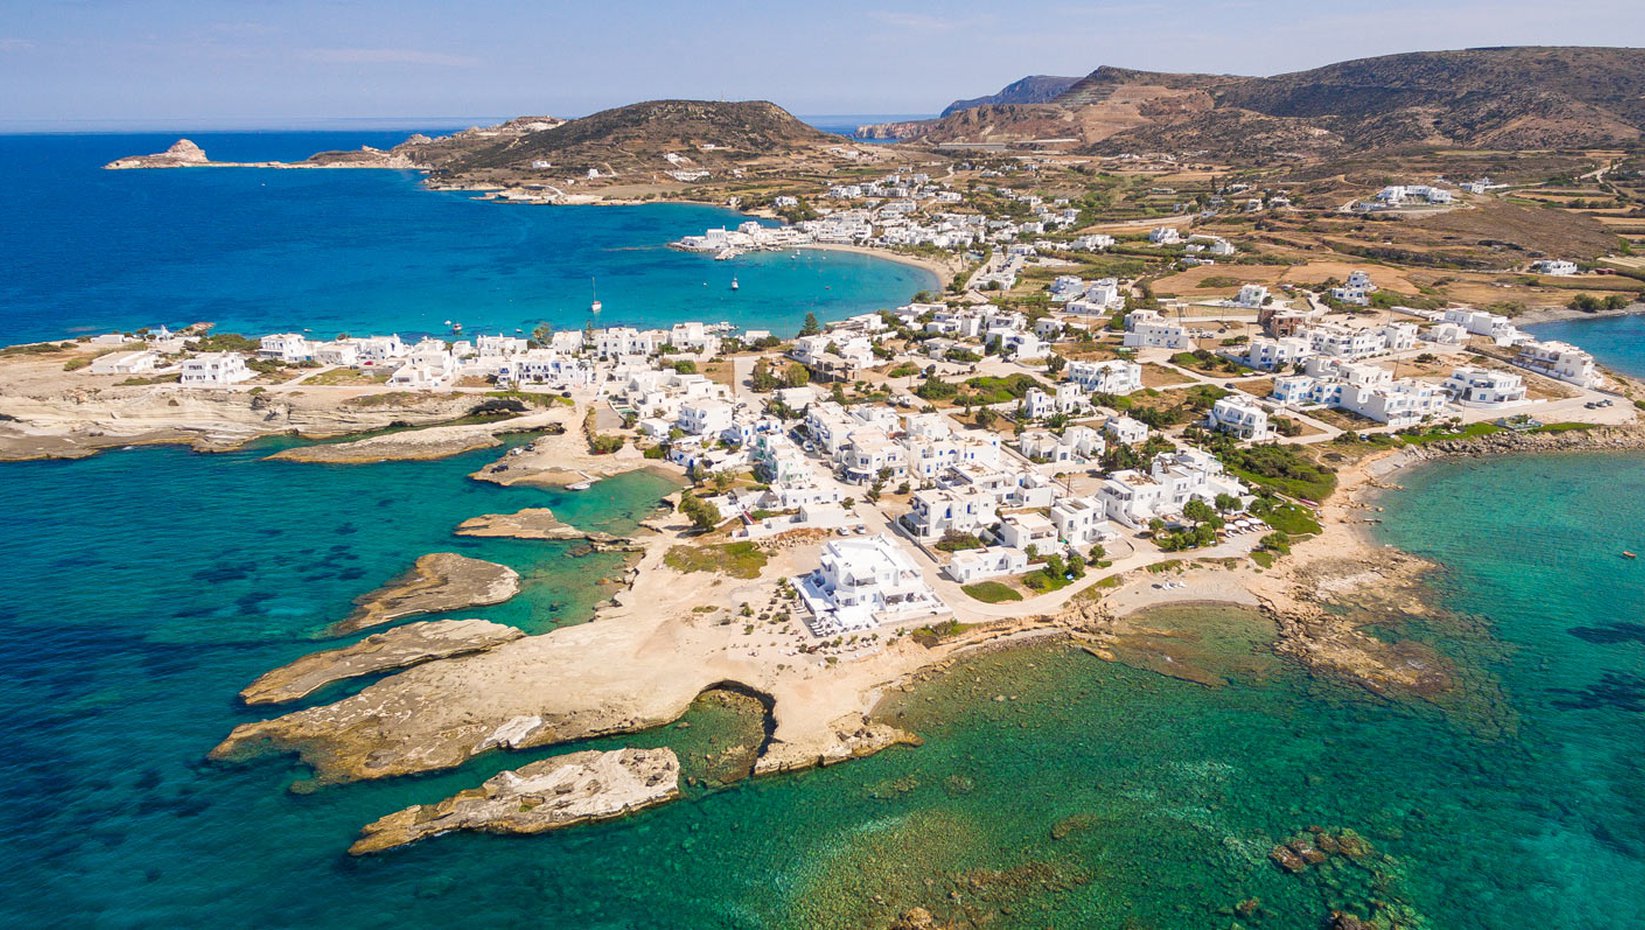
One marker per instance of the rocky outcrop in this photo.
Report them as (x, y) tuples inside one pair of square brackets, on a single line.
[(401, 647), (854, 736), (1507, 442), (538, 523), (558, 792), (182, 154), (438, 582)]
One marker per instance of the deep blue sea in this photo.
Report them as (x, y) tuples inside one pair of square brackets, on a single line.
[(1615, 341), (358, 251)]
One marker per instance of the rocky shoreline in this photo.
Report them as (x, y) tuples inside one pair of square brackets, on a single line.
[(439, 581), (551, 794), (401, 647)]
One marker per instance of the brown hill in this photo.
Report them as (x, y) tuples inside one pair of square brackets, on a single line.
[(1036, 88), (702, 135), (1515, 98)]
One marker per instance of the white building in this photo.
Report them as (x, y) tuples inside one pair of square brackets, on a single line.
[(1267, 354), (1126, 430), (1146, 329), (216, 368), (124, 363), (704, 417), (1349, 342), (1240, 417), (285, 347), (1165, 235), (344, 352), (1117, 376), (1480, 323), (975, 565), (938, 512), (1134, 498), (1082, 521), (1554, 267), (861, 583), (1029, 528), (1252, 295), (1560, 360), (1483, 387)]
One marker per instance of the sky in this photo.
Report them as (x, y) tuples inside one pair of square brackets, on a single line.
[(273, 63)]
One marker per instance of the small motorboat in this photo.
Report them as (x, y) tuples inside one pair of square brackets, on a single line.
[(734, 284), (580, 486), (1628, 555)]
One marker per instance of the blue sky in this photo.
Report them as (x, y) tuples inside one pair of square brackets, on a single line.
[(171, 63)]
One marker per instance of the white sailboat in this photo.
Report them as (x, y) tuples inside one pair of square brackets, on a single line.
[(734, 284), (594, 287)]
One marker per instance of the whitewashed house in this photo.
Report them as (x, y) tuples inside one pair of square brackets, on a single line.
[(938, 512), (215, 369), (1240, 417), (1125, 430), (1483, 387), (1082, 521), (125, 363), (1030, 528), (1146, 329), (1117, 376), (1560, 360), (861, 583), (285, 347), (975, 565)]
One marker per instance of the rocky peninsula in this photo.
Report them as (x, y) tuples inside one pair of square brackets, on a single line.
[(401, 647), (547, 795), (438, 582)]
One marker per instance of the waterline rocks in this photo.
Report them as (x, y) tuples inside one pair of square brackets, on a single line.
[(439, 581), (532, 523), (182, 154), (581, 787), (401, 647)]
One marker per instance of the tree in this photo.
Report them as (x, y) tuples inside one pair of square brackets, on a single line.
[(1227, 503), (1198, 511), (702, 514), (1055, 363), (542, 333), (763, 380), (986, 417), (1076, 565), (811, 327), (796, 376)]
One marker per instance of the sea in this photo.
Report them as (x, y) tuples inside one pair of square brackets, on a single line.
[(1616, 342), (368, 251), (145, 587)]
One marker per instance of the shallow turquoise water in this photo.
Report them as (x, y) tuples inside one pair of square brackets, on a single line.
[(366, 251), (147, 587)]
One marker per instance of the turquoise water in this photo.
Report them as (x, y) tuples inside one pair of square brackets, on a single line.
[(146, 587), (1615, 341), (366, 251)]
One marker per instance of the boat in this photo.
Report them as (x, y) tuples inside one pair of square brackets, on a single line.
[(1628, 555), (579, 486), (457, 327), (734, 284), (593, 287)]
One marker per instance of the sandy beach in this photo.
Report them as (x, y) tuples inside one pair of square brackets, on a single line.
[(944, 268)]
